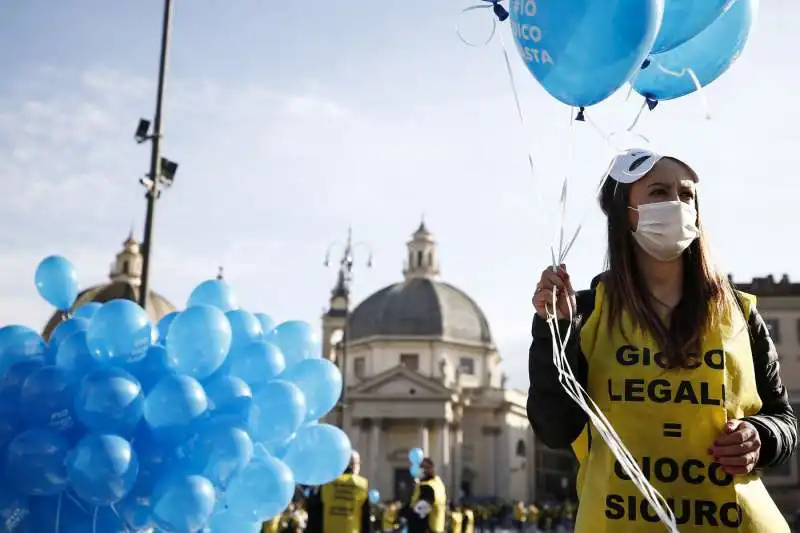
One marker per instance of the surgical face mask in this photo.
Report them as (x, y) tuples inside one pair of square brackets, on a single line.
[(666, 229)]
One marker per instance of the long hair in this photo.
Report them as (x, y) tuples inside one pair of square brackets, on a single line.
[(707, 295)]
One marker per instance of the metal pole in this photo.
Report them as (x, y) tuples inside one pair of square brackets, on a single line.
[(155, 157)]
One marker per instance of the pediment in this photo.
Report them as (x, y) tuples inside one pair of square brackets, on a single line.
[(401, 382)]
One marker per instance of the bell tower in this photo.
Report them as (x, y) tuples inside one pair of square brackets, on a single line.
[(128, 265), (422, 260), (334, 320)]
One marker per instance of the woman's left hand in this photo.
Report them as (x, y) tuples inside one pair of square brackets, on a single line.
[(738, 447)]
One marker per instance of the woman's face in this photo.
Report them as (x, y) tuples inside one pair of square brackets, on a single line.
[(668, 181)]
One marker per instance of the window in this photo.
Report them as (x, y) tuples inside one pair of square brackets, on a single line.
[(521, 448), (773, 325), (467, 365), (359, 367), (410, 361)]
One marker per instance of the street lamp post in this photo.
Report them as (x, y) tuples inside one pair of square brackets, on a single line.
[(344, 282), (162, 171)]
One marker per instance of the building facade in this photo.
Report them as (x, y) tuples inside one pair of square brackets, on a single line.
[(779, 304), (421, 370)]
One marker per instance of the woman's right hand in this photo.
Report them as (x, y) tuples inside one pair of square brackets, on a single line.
[(554, 282)]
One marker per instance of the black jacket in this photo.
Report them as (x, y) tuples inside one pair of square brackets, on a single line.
[(558, 420)]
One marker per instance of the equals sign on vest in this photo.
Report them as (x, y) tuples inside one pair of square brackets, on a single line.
[(672, 430)]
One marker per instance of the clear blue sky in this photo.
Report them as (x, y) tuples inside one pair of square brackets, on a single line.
[(291, 120)]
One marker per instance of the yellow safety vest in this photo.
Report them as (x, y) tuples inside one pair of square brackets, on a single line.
[(438, 515), (668, 419), (271, 526), (456, 521), (388, 519), (469, 521), (342, 504), (520, 513)]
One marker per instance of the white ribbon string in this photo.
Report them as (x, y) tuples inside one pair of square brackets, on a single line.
[(491, 33), (698, 87)]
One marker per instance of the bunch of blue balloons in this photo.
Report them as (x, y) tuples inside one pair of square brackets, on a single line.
[(203, 422), (582, 51), (415, 457)]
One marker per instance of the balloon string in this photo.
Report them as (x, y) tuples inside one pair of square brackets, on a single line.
[(697, 85), (124, 523), (94, 519), (58, 512), (638, 115), (464, 39)]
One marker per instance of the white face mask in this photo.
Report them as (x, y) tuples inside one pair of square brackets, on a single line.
[(666, 229)]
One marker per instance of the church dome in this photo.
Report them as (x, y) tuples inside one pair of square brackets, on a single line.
[(420, 306), (125, 282)]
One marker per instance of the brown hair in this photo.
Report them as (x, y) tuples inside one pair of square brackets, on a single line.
[(706, 293)]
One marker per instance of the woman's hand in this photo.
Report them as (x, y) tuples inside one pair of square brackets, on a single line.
[(554, 282), (738, 448)]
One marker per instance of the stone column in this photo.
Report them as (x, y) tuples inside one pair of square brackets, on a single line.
[(458, 459), (374, 449), (491, 460), (355, 434), (424, 438), (443, 454)]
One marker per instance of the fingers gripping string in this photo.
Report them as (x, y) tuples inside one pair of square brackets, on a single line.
[(604, 428)]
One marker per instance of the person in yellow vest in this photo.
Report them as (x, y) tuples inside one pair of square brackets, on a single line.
[(456, 519), (272, 526), (428, 512), (341, 506), (520, 516), (469, 520), (680, 363), (389, 518)]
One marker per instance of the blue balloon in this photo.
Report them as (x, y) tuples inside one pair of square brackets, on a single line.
[(155, 458), (214, 292), (278, 409), (136, 509), (175, 407), (582, 51), (224, 521), (18, 343), (229, 400), (318, 454), (15, 515), (297, 340), (321, 383), (152, 368), (262, 490), (86, 310), (245, 328), (102, 520), (102, 468), (219, 453), (74, 355), (374, 496), (257, 363), (183, 503), (683, 19), (63, 330), (10, 422), (47, 399), (109, 400), (120, 332), (415, 470), (35, 462), (267, 324), (164, 324), (198, 341), (11, 384), (57, 282), (709, 55), (416, 455)]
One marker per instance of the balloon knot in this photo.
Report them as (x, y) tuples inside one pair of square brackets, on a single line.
[(651, 102), (645, 64), (581, 117), (499, 11)]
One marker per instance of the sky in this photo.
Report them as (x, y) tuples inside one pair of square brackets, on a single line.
[(293, 120)]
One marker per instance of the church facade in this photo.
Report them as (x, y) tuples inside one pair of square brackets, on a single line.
[(421, 370)]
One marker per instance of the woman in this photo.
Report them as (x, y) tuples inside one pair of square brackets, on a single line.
[(682, 366)]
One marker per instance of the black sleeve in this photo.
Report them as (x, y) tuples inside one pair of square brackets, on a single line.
[(314, 510), (556, 419), (366, 515), (776, 422), (426, 494)]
